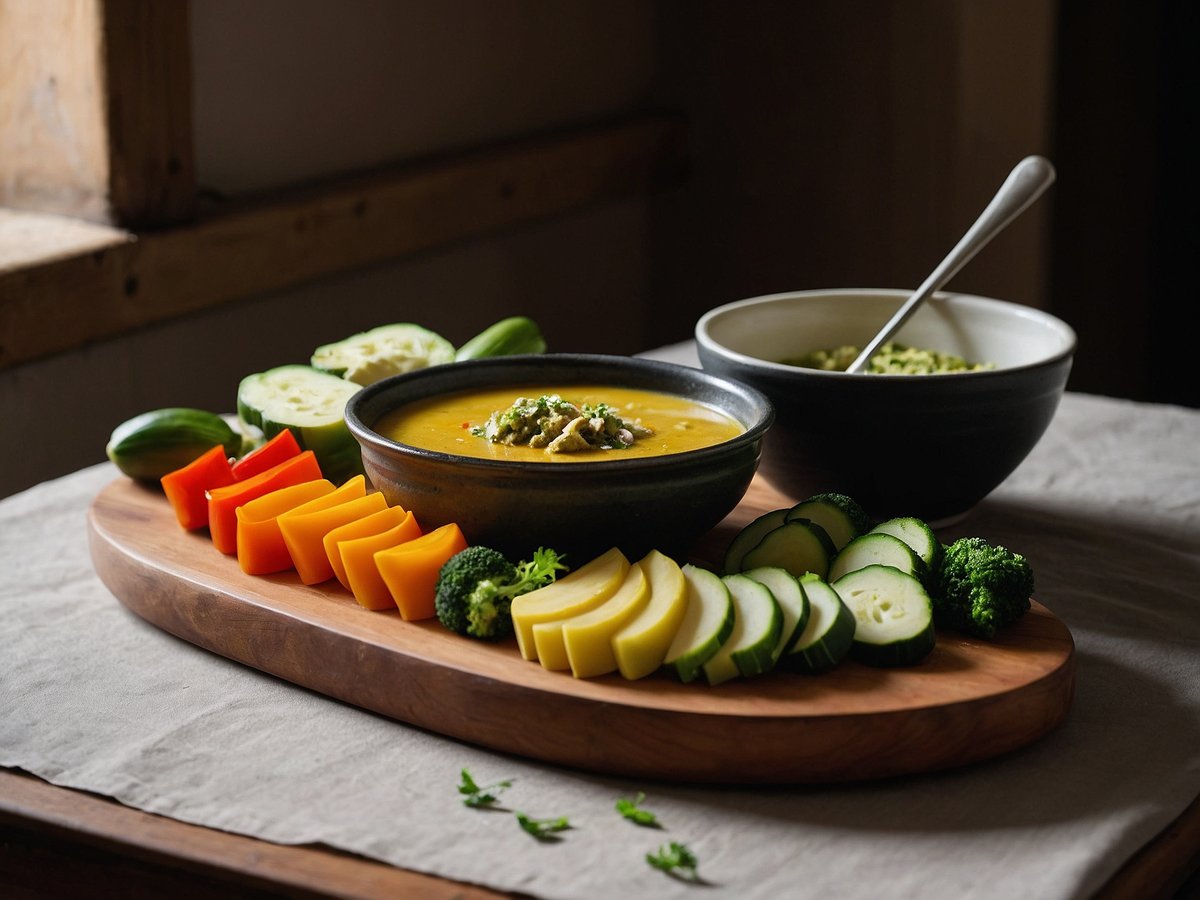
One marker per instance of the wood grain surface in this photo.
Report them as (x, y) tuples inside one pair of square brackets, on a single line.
[(968, 701)]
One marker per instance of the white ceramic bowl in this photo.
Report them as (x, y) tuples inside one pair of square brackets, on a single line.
[(925, 445)]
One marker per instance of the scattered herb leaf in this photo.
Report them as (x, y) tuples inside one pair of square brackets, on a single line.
[(543, 829), (480, 797), (676, 860), (632, 810)]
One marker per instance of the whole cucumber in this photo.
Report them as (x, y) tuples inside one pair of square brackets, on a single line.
[(151, 444), (508, 337)]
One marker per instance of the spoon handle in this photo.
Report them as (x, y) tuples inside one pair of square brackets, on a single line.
[(1025, 183)]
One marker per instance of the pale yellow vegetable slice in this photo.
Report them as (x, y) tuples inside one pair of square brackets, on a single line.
[(641, 644), (587, 638), (576, 592)]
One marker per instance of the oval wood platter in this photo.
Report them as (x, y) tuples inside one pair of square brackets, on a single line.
[(968, 701)]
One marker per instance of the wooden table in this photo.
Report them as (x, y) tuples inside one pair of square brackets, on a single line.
[(58, 842)]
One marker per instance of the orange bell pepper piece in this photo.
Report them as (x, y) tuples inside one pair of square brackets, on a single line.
[(224, 501), (410, 570), (283, 446), (304, 533), (358, 559), (260, 546), (186, 488)]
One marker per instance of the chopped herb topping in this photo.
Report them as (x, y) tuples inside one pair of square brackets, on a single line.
[(556, 425)]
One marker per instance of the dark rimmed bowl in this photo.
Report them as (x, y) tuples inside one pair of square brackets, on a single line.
[(921, 445), (581, 508)]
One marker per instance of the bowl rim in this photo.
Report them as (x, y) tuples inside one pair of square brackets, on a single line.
[(705, 339), (579, 362)]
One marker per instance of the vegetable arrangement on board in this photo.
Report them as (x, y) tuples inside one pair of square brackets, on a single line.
[(799, 588)]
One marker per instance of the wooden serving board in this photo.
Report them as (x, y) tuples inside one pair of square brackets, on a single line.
[(968, 701)]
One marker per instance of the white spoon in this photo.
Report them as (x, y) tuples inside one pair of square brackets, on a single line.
[(1024, 184)]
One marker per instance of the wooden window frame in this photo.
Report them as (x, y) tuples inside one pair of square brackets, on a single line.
[(91, 251)]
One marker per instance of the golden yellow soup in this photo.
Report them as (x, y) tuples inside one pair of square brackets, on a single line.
[(444, 423)]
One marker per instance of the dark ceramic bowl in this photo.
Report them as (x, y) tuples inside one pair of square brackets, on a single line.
[(580, 508), (922, 445)]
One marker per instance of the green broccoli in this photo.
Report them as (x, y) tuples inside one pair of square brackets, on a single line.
[(981, 587), (475, 588)]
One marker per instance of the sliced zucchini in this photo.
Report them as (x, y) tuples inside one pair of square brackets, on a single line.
[(797, 546), (918, 535), (893, 616), (150, 445), (757, 623), (876, 548), (748, 538), (785, 588), (371, 356), (516, 334), (841, 516), (827, 637), (312, 404), (706, 624)]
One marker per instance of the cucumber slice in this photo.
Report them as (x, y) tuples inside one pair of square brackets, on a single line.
[(876, 548), (893, 616), (918, 535), (785, 588), (841, 517), (371, 356), (797, 546), (516, 334), (749, 537), (312, 404), (826, 639), (706, 624), (150, 445), (757, 622)]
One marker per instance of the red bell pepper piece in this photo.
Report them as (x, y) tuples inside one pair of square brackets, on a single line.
[(283, 446), (186, 488), (224, 501)]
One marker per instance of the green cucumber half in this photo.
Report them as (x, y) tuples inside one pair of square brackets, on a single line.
[(756, 626), (841, 516), (707, 623), (150, 445), (893, 616), (371, 356), (785, 588), (797, 546), (312, 404), (508, 337), (826, 638), (748, 538), (877, 548), (918, 535)]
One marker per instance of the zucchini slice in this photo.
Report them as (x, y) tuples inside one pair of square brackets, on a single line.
[(748, 538), (797, 546), (893, 616), (877, 548), (793, 605), (841, 516), (918, 535), (508, 337), (371, 356), (706, 624), (310, 403), (150, 445), (757, 623), (827, 636)]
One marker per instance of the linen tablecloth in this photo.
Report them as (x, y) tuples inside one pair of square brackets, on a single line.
[(1107, 508)]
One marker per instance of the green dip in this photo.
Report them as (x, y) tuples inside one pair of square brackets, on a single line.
[(891, 359)]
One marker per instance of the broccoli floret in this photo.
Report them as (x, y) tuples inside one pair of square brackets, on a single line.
[(981, 587), (475, 588)]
